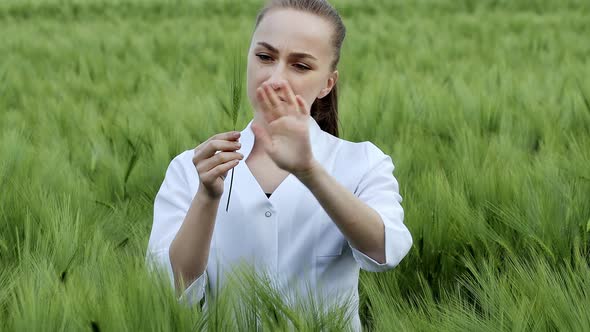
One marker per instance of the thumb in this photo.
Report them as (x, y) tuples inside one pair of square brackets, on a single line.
[(261, 134)]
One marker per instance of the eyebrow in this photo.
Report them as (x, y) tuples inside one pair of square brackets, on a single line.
[(296, 54)]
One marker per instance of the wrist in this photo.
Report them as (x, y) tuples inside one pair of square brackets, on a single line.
[(205, 197), (307, 175)]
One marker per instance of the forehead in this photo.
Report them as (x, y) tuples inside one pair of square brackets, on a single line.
[(290, 30)]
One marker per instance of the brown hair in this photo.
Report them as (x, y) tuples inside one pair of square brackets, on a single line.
[(324, 110)]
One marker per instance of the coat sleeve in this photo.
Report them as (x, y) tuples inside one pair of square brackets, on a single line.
[(170, 207), (379, 189)]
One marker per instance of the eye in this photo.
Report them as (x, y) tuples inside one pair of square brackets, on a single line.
[(301, 67), (263, 57)]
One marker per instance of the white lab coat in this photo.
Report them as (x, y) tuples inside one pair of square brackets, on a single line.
[(288, 235)]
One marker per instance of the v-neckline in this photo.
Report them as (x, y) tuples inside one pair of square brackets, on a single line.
[(260, 190), (248, 139)]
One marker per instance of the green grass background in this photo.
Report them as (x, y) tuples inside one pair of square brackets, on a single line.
[(484, 107)]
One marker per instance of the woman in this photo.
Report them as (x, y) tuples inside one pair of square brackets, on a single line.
[(331, 206)]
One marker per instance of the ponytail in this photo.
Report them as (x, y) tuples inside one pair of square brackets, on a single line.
[(325, 112)]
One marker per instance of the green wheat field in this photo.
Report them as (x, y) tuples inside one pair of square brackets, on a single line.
[(483, 105)]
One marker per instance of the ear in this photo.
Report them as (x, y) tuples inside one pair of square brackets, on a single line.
[(331, 83)]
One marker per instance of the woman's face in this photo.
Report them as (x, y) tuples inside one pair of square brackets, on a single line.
[(293, 46)]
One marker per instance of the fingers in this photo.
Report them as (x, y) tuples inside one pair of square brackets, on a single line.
[(289, 94), (302, 105), (208, 148), (271, 93), (272, 106), (220, 170), (221, 158), (227, 136), (266, 107)]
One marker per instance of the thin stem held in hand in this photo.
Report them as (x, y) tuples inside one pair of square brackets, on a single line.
[(236, 101)]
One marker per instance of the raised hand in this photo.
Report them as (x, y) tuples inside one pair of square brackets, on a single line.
[(285, 135)]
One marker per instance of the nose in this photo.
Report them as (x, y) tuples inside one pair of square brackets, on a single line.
[(277, 75)]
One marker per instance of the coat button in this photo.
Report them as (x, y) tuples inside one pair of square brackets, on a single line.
[(268, 214)]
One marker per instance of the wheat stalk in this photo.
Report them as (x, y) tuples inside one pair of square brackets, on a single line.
[(233, 110)]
